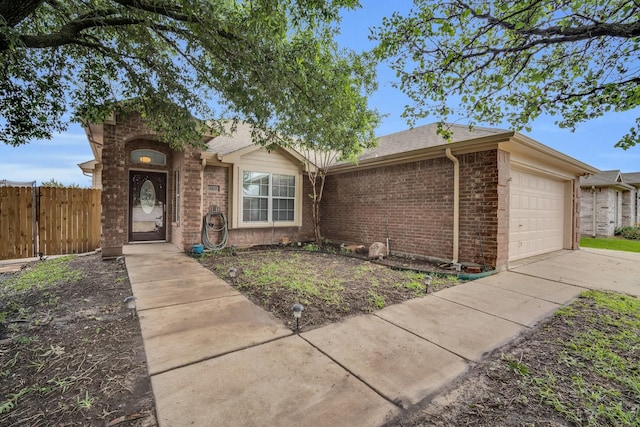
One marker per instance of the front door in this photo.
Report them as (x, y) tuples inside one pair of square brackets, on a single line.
[(147, 206)]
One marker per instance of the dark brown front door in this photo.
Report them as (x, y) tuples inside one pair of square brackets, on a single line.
[(147, 206)]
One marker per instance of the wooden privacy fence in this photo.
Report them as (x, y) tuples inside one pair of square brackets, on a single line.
[(51, 221)]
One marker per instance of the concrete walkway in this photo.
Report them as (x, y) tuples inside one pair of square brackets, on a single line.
[(216, 359)]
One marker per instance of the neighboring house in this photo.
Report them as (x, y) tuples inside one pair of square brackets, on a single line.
[(609, 199), (490, 196)]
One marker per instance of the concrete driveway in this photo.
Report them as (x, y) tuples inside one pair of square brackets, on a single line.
[(589, 268), (217, 359)]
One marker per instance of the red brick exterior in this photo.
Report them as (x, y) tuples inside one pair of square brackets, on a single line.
[(119, 139), (187, 230), (128, 134), (195, 199), (412, 204), (216, 195)]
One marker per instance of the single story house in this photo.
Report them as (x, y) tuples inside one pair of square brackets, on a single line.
[(489, 196), (609, 199)]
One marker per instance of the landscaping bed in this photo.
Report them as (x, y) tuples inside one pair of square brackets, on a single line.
[(329, 286)]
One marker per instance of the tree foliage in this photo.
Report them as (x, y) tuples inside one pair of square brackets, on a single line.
[(271, 63), (512, 61), (57, 184)]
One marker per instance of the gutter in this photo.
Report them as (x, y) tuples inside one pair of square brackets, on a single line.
[(202, 168), (456, 203)]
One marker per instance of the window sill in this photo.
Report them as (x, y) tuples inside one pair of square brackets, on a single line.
[(268, 225)]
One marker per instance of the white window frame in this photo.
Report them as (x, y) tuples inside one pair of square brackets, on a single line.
[(239, 199)]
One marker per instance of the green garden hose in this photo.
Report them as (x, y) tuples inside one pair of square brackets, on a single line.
[(208, 225)]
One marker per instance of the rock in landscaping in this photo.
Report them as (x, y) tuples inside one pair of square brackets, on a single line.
[(377, 250)]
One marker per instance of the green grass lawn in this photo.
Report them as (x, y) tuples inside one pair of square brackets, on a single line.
[(612, 243)]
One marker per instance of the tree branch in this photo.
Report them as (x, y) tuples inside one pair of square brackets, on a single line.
[(594, 90), (566, 34), (69, 33)]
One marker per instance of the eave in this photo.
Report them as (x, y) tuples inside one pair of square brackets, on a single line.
[(461, 147)]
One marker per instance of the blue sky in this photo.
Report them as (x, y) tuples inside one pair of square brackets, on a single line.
[(591, 143)]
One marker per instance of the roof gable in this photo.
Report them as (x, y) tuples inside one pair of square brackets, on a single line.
[(236, 144), (602, 179)]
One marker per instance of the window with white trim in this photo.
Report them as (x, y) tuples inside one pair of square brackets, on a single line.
[(268, 197)]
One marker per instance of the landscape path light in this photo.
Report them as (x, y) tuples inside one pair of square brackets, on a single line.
[(130, 302), (233, 273), (427, 283), (297, 314)]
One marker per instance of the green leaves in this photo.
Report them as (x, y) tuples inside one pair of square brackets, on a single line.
[(514, 61), (273, 64)]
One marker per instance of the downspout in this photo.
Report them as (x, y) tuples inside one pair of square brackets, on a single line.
[(594, 197), (456, 203), (202, 210)]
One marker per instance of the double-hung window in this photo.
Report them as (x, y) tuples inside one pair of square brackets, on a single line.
[(268, 198)]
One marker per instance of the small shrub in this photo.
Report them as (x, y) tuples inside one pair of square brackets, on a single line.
[(618, 231), (311, 247), (631, 233)]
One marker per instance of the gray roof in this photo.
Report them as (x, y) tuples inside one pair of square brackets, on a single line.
[(395, 143), (230, 142), (425, 136), (631, 178), (611, 178), (603, 178)]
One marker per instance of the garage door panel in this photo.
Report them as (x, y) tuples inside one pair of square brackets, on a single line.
[(537, 213)]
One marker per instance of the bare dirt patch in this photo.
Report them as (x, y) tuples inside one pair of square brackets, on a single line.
[(70, 352), (329, 286)]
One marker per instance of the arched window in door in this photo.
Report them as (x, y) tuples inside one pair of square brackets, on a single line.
[(148, 157)]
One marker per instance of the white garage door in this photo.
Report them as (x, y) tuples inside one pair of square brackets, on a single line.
[(537, 215)]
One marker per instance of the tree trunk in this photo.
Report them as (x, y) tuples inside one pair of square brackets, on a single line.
[(15, 11), (315, 206)]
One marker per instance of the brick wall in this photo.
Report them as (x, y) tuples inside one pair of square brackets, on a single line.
[(190, 198), (177, 235), (128, 134), (586, 211), (575, 232), (502, 238), (413, 203), (605, 211), (608, 216), (114, 193), (196, 196), (629, 213), (484, 208), (216, 193)]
